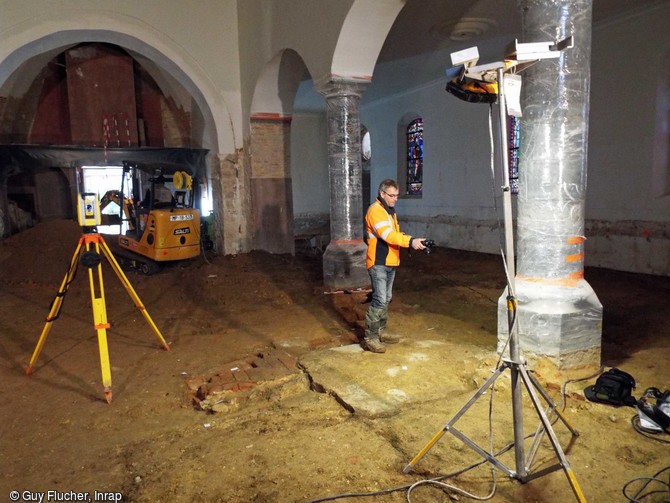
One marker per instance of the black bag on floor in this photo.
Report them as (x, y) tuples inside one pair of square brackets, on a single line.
[(613, 387)]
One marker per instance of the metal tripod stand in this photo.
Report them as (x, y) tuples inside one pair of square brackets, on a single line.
[(519, 374), (88, 252)]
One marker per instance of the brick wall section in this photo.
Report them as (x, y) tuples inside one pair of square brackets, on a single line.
[(101, 82), (271, 148), (176, 123), (271, 190), (51, 121), (242, 375)]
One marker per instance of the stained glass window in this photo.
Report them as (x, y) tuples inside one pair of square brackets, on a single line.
[(415, 157)]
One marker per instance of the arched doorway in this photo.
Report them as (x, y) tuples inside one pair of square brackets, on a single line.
[(273, 166), (106, 89)]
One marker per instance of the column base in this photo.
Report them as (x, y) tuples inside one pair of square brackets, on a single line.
[(560, 323), (344, 266)]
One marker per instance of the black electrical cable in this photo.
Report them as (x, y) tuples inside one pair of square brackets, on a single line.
[(74, 267), (409, 486), (639, 496), (635, 421), (202, 248), (578, 379), (493, 178)]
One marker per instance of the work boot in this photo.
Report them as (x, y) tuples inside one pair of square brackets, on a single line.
[(374, 345), (384, 336), (387, 338)]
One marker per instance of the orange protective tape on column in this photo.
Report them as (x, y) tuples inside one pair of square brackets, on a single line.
[(571, 280), (575, 257), (576, 240)]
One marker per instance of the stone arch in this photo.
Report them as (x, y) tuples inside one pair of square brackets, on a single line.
[(277, 84), (46, 38), (360, 41), (41, 38)]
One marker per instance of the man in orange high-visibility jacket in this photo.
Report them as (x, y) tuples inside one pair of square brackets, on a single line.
[(384, 243)]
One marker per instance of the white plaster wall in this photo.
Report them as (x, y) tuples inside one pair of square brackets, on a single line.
[(268, 27), (334, 39), (255, 34), (309, 165), (630, 226)]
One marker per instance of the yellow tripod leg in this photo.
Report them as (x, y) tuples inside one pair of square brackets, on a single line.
[(100, 322), (101, 325), (576, 489), (424, 451), (55, 308), (131, 291)]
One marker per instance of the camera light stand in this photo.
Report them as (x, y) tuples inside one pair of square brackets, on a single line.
[(523, 56)]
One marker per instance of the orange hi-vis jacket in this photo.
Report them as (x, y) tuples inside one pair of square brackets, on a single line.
[(384, 236)]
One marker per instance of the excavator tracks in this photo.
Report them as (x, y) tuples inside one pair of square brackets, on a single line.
[(130, 261), (135, 263)]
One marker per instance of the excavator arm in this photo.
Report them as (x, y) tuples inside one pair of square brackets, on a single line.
[(114, 196)]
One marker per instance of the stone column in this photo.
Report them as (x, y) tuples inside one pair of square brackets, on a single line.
[(230, 193), (559, 315), (344, 258)]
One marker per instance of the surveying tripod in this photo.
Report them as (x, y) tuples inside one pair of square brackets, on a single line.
[(88, 252)]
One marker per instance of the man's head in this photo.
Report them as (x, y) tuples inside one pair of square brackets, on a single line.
[(388, 191)]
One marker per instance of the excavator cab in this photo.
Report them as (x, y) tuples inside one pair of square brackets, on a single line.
[(162, 222)]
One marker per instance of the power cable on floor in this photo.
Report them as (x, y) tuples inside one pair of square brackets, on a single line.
[(436, 481), (635, 421), (654, 479), (578, 379), (409, 487)]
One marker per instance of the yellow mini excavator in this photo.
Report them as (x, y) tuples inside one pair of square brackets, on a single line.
[(162, 226)]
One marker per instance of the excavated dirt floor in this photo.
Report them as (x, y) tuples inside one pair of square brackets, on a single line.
[(264, 395)]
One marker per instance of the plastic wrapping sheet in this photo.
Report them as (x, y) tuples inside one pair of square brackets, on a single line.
[(553, 150), (559, 314), (554, 320), (344, 161)]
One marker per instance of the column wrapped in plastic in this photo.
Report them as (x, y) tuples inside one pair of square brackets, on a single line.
[(344, 257), (559, 315), (553, 151), (344, 161)]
